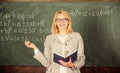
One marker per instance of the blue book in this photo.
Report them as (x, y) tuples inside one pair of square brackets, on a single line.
[(57, 57)]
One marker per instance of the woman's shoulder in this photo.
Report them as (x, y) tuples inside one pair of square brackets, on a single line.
[(50, 36), (75, 34)]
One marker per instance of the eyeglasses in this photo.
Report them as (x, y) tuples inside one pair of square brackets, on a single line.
[(63, 19)]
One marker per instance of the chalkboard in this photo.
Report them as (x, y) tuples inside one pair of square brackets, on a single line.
[(97, 22)]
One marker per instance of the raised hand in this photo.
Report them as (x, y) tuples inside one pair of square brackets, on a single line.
[(30, 45)]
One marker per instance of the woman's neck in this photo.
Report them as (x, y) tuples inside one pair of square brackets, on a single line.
[(63, 33)]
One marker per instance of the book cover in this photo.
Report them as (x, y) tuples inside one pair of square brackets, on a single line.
[(57, 57)]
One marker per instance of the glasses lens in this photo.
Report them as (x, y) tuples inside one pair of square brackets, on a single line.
[(64, 19)]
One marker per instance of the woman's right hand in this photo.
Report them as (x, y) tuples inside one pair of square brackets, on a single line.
[(30, 45)]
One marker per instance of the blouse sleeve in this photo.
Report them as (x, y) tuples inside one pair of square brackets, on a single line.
[(36, 51), (43, 58)]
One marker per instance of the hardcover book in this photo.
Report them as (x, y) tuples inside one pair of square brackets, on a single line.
[(57, 57)]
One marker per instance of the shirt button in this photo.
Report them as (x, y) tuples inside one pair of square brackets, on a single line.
[(67, 51), (66, 44)]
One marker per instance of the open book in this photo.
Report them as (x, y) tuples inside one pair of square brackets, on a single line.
[(57, 57)]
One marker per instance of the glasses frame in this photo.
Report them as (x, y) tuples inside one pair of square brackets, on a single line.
[(58, 20)]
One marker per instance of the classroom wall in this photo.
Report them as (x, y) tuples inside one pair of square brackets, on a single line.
[(41, 69), (96, 22)]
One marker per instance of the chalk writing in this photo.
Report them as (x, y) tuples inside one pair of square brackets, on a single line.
[(16, 15), (87, 12), (16, 26), (22, 38)]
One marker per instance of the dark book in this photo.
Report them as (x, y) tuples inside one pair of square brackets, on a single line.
[(73, 57)]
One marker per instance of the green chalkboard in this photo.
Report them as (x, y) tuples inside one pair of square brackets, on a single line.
[(97, 22)]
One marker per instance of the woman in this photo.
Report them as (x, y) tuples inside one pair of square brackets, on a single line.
[(62, 41)]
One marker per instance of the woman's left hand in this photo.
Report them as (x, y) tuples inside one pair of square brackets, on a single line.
[(67, 64)]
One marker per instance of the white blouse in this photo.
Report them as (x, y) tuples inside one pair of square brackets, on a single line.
[(62, 39)]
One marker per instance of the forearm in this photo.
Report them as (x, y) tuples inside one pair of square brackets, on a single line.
[(38, 55), (80, 62)]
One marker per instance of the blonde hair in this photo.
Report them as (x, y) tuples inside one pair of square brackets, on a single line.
[(54, 28)]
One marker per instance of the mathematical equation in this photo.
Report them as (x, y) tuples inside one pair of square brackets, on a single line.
[(88, 12), (20, 27)]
